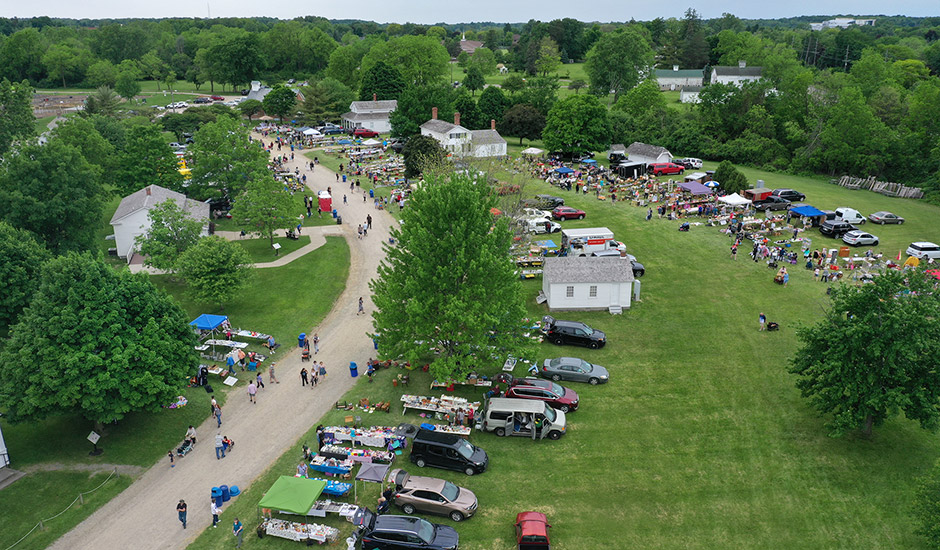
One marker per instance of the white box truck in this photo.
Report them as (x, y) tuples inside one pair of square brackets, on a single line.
[(582, 242)]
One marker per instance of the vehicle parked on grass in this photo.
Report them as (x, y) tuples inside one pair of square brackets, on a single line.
[(216, 98), (571, 332), (384, 532), (850, 215), (638, 269), (789, 194), (202, 100), (448, 451), (532, 531), (331, 130), (432, 495), (584, 241), (617, 157), (574, 369), (364, 133), (859, 238), (757, 195), (836, 228), (558, 397), (664, 168), (522, 417), (541, 225), (884, 217), (924, 250), (549, 201), (772, 202), (690, 162), (534, 213), (567, 213)]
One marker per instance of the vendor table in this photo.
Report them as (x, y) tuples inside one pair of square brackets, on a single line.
[(334, 488), (376, 436), (359, 455), (331, 466), (251, 334), (300, 531), (478, 383), (323, 507), (446, 404), (227, 343), (462, 431)]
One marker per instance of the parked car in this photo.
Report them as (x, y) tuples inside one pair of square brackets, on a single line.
[(534, 213), (638, 269), (571, 156), (690, 162), (664, 168), (529, 418), (291, 80), (202, 100), (448, 451), (773, 202), (364, 133), (541, 225), (617, 157), (859, 238), (574, 370), (432, 495), (331, 130), (550, 201), (216, 98), (571, 332), (836, 228), (789, 194), (244, 91), (850, 215), (884, 217), (397, 144), (402, 532), (532, 531), (559, 397), (924, 250), (567, 213)]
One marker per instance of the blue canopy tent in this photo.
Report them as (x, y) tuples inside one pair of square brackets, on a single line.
[(695, 188), (588, 161), (344, 142), (564, 170), (808, 211), (209, 322)]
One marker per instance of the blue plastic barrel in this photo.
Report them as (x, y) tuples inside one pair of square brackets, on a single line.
[(335, 213), (300, 339), (226, 496), (353, 369), (371, 193), (234, 491)]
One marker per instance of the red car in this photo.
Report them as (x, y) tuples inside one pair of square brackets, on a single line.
[(532, 531), (567, 213), (660, 168), (216, 98), (554, 395), (365, 132)]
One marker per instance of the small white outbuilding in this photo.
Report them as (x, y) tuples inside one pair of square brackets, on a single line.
[(575, 283), (131, 217)]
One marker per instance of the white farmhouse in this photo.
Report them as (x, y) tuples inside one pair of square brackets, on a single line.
[(131, 219), (461, 142), (574, 283), (677, 78), (647, 154), (689, 94), (487, 143), (372, 115), (736, 75)]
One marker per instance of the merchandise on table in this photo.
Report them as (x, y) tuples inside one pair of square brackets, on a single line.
[(300, 531), (359, 455), (331, 466), (334, 488), (445, 404), (375, 436)]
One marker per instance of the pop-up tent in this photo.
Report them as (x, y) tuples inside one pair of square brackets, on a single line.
[(734, 199), (294, 495), (209, 322), (343, 142), (532, 151), (564, 170), (808, 211), (588, 161), (371, 142), (695, 188), (372, 473)]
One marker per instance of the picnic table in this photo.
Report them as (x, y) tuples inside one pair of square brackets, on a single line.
[(227, 343), (323, 507)]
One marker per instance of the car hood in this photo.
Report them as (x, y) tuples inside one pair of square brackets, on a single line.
[(479, 456), (466, 498), (571, 395), (445, 537), (600, 334), (599, 371)]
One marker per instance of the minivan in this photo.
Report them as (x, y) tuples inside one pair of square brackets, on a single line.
[(571, 332), (924, 250), (522, 417), (448, 451)]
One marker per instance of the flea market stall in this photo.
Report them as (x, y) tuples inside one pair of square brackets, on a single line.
[(295, 496)]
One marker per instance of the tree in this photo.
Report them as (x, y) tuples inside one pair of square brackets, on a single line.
[(281, 101), (469, 114), (463, 59), (414, 108), (80, 132), (66, 60), (474, 80), (172, 231), (381, 81), (642, 99), (926, 507), (483, 59), (223, 159), (576, 124), (730, 178), (52, 191), (493, 103), (97, 342), (421, 153), (421, 59), (618, 61), (17, 121), (23, 257), (326, 101), (127, 85), (264, 207), (577, 85), (514, 83), (548, 59), (147, 159), (215, 270), (345, 61), (853, 140), (250, 107), (874, 354), (447, 284), (102, 101), (101, 73), (523, 121)]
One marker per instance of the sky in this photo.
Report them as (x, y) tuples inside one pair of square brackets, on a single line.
[(449, 11)]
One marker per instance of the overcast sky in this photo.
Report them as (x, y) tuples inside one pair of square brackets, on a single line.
[(432, 11)]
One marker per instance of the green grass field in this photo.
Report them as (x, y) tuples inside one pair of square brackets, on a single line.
[(261, 250)]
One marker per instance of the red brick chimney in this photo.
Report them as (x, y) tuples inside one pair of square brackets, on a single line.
[(492, 124), (456, 118), (375, 97), (433, 113), (148, 190)]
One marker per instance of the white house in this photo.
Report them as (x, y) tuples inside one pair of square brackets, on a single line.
[(842, 23), (647, 154), (677, 78), (461, 142), (574, 283), (130, 219), (736, 75), (487, 143), (689, 94), (372, 115)]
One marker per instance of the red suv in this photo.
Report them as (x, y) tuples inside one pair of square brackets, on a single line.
[(365, 132), (554, 395), (660, 168), (567, 213)]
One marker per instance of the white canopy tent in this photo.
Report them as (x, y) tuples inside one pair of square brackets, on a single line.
[(734, 200), (532, 151), (370, 142), (311, 132)]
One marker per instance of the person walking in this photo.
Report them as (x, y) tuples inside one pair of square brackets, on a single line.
[(734, 251), (369, 221), (259, 381), (170, 454), (215, 513), (316, 343), (762, 319), (218, 415), (649, 214), (303, 376), (191, 435), (181, 510), (322, 370), (252, 390), (212, 405), (361, 310), (786, 277), (344, 200), (271, 378), (219, 446), (314, 375), (237, 529)]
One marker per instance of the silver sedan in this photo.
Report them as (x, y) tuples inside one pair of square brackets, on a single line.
[(574, 370)]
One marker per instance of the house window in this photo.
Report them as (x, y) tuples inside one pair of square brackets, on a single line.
[(569, 292), (592, 292)]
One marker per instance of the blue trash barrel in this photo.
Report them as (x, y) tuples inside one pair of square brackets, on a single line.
[(335, 213), (217, 496), (371, 193), (353, 369), (234, 490), (375, 343), (344, 178), (300, 339), (226, 496)]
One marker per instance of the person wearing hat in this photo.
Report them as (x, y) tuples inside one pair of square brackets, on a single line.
[(181, 509)]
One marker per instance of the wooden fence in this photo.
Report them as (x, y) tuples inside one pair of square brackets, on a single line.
[(883, 187)]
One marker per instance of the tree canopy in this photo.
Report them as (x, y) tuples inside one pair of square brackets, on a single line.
[(264, 207), (326, 101), (576, 124), (421, 152), (223, 159), (23, 257), (730, 178), (447, 284), (618, 61), (147, 159), (422, 60), (414, 108), (17, 120), (523, 121), (381, 80), (215, 270), (172, 231), (281, 102)]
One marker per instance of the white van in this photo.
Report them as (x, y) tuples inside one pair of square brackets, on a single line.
[(582, 242), (541, 225), (850, 215), (522, 417)]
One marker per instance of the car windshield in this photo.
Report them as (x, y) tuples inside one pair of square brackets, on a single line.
[(555, 362), (586, 366), (450, 491), (465, 449), (549, 414), (557, 389), (425, 531)]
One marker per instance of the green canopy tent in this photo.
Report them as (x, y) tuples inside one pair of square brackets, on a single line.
[(294, 495)]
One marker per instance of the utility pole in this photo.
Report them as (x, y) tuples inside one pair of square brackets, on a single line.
[(845, 62)]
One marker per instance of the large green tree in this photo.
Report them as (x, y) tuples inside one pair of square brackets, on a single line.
[(147, 159), (17, 121), (446, 284), (281, 102), (23, 257), (223, 159), (215, 270), (474, 80), (127, 85), (326, 101), (493, 103), (95, 341), (731, 179), (265, 206), (345, 64), (80, 132), (421, 153), (576, 124), (52, 191), (415, 105), (382, 81), (422, 60), (172, 231), (618, 61), (523, 121), (874, 354)]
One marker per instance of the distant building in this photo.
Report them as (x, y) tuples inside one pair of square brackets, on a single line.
[(461, 142), (487, 143), (736, 75), (372, 115), (469, 46), (677, 78), (131, 217), (842, 23), (647, 154), (257, 91), (689, 94), (573, 283)]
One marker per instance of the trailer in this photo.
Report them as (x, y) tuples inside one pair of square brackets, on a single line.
[(583, 242)]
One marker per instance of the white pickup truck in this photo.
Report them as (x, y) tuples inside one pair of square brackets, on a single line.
[(541, 225)]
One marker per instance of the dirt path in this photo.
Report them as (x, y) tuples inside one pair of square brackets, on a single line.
[(144, 515)]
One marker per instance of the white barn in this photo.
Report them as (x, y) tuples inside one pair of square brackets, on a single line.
[(736, 75), (574, 283), (689, 94), (372, 115), (677, 78), (647, 154), (130, 219)]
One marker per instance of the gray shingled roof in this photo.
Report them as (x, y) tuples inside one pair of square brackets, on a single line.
[(690, 89), (618, 147), (738, 71), (646, 150), (365, 116), (681, 73), (486, 137), (572, 269), (386, 105), (438, 125), (140, 199)]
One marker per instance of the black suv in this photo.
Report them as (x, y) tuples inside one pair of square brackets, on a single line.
[(448, 451), (571, 332), (402, 532), (550, 201), (836, 228), (773, 202), (789, 194)]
